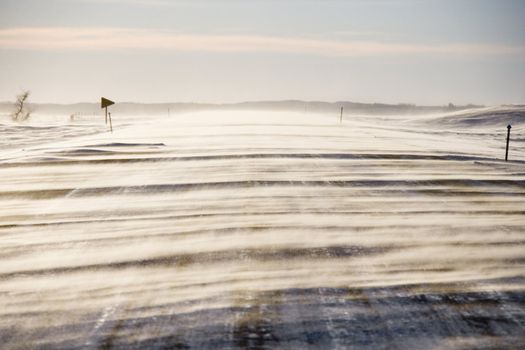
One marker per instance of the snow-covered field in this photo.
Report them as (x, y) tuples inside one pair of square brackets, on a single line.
[(264, 230)]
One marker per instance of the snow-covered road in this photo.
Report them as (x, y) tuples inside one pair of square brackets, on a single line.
[(264, 230)]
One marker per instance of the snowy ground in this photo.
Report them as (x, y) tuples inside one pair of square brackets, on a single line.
[(264, 230)]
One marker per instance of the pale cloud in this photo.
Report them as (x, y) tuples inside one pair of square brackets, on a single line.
[(101, 38)]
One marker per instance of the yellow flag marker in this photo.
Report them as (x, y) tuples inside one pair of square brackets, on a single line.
[(104, 102)]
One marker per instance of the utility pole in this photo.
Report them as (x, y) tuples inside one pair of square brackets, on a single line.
[(341, 116)]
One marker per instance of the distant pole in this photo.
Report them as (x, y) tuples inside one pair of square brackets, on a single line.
[(508, 138), (110, 124), (341, 116), (106, 108)]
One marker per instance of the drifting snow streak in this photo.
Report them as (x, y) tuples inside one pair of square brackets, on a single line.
[(254, 230)]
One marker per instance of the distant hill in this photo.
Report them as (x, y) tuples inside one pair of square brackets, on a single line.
[(86, 108), (491, 116)]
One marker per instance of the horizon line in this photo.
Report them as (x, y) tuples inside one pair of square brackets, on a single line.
[(408, 104)]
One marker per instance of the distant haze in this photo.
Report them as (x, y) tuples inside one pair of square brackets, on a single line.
[(399, 51)]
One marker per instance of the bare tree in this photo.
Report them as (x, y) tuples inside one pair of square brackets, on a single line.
[(21, 111)]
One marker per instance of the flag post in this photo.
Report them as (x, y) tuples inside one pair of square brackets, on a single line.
[(105, 103)]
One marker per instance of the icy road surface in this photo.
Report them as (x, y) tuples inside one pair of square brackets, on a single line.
[(259, 230)]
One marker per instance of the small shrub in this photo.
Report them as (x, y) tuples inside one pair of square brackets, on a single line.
[(21, 111)]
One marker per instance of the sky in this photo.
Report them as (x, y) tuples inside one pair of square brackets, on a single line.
[(393, 51)]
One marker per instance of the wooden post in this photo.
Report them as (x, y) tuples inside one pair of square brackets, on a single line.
[(508, 138), (106, 109), (110, 124), (341, 116)]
